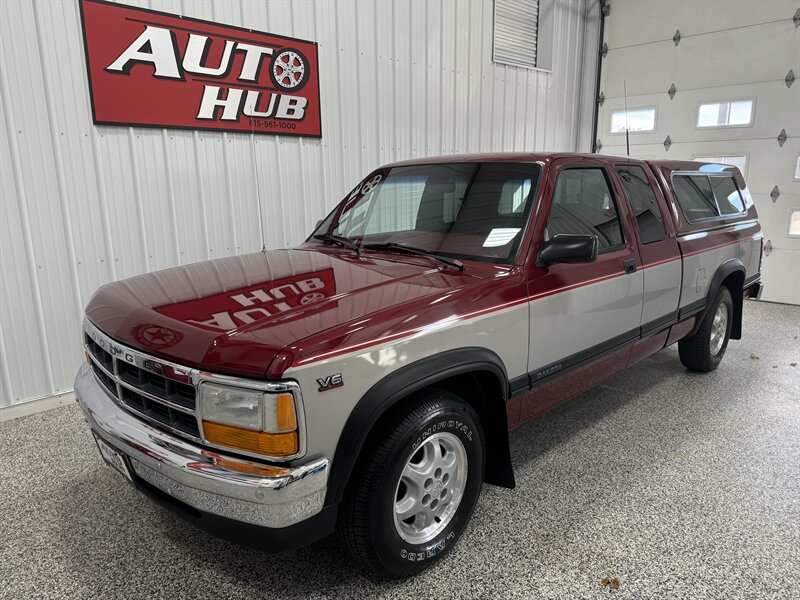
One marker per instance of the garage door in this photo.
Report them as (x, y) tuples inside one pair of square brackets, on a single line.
[(714, 81)]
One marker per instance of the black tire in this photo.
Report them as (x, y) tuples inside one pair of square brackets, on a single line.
[(367, 517), (696, 351)]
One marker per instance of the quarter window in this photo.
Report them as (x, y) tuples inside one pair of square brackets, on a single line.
[(644, 204), (695, 196), (583, 203), (733, 113), (727, 194)]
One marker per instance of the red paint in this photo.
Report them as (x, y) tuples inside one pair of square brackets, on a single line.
[(237, 308), (363, 299), (513, 407), (563, 387), (681, 330), (260, 314), (649, 346), (142, 72)]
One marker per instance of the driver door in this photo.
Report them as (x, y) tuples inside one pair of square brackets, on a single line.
[(581, 312)]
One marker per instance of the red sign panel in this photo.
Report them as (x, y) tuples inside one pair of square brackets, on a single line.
[(153, 69)]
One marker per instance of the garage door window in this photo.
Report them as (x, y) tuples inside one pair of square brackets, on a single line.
[(635, 120), (794, 223), (731, 113)]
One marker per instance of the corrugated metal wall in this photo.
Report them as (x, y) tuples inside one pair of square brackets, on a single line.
[(82, 205)]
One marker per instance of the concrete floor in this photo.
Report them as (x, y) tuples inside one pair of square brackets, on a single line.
[(682, 485)]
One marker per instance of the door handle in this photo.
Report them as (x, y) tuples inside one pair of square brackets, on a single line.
[(630, 266)]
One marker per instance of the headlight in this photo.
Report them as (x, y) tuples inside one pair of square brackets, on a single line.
[(250, 420)]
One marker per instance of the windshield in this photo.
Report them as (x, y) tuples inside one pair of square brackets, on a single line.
[(472, 210)]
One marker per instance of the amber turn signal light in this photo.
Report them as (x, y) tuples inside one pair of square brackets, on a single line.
[(284, 413), (257, 442)]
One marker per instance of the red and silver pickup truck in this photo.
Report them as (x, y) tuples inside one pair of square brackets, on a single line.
[(366, 380)]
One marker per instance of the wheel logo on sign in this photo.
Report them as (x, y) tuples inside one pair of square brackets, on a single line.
[(289, 69)]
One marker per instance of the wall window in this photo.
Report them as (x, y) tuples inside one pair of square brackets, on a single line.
[(515, 32), (639, 120), (794, 223), (731, 113), (582, 203), (737, 160), (643, 201)]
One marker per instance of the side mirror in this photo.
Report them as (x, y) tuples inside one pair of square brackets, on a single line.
[(568, 248)]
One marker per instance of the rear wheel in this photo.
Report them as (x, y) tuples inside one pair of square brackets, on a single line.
[(416, 488), (704, 350)]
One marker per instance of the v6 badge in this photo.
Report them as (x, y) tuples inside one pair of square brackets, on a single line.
[(330, 382)]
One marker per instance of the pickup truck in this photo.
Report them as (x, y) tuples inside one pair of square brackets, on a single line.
[(366, 380)]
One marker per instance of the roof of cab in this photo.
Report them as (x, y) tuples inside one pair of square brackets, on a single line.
[(503, 157), (545, 157)]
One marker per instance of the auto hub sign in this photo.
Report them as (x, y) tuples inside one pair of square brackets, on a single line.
[(149, 68)]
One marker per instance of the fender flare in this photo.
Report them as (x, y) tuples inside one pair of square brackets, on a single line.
[(729, 267), (399, 384)]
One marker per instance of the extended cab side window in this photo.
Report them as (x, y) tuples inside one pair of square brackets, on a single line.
[(727, 194), (695, 196), (583, 203), (644, 204)]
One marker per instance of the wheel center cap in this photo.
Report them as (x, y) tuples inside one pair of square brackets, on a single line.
[(436, 488)]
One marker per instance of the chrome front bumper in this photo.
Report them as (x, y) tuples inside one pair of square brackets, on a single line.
[(242, 490)]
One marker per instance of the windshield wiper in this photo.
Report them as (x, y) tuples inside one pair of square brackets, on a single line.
[(339, 240), (395, 247)]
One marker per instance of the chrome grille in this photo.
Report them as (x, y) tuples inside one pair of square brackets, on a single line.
[(165, 394), (162, 400)]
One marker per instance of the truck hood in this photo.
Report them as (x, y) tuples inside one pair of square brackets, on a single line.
[(241, 314)]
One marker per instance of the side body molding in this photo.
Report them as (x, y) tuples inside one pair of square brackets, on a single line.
[(430, 371), (735, 267)]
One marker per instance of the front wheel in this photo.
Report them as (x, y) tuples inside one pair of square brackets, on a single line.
[(704, 350), (417, 486)]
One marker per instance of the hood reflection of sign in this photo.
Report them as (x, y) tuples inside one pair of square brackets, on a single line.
[(155, 69), (229, 310)]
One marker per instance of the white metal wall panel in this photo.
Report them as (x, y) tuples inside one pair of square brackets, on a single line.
[(728, 50), (82, 205)]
